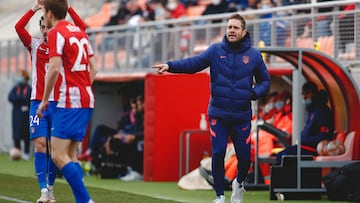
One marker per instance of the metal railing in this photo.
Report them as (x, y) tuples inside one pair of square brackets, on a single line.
[(126, 49)]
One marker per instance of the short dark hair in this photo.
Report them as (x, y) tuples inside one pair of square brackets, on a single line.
[(58, 7), (41, 20), (310, 86), (238, 17), (140, 98)]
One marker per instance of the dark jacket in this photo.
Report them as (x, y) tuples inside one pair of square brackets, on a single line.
[(232, 72), (319, 123), (19, 97)]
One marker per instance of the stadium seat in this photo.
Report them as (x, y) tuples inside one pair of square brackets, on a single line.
[(195, 10), (304, 42), (348, 55), (349, 148), (327, 45), (102, 17)]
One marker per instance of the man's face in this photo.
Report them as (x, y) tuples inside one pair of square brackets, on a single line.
[(307, 94), (140, 105), (235, 31), (44, 30), (47, 17)]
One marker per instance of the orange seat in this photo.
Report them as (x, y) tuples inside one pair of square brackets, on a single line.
[(327, 45), (102, 17), (304, 42), (195, 10)]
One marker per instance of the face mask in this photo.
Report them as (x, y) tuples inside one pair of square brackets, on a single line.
[(171, 6), (268, 107), (216, 2), (265, 6), (159, 11), (279, 105), (287, 108), (19, 79), (307, 102)]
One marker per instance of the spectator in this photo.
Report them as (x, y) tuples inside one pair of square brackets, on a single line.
[(116, 14), (266, 25), (19, 97), (188, 3), (240, 4), (322, 24), (128, 12), (217, 7), (176, 9), (160, 11), (319, 123), (148, 11)]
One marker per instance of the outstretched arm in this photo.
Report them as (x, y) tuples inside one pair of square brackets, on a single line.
[(161, 68), (76, 18), (23, 34)]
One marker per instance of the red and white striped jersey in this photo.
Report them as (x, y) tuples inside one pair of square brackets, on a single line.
[(39, 59), (71, 43)]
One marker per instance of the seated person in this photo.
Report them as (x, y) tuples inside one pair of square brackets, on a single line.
[(319, 123), (128, 147), (102, 133), (281, 119)]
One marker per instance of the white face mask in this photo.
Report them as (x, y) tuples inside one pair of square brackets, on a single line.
[(268, 107), (265, 6), (307, 101), (279, 105), (171, 6), (19, 79), (216, 2)]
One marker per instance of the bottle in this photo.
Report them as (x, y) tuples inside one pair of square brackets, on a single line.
[(203, 122)]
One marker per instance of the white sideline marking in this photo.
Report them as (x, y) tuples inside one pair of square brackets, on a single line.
[(13, 199)]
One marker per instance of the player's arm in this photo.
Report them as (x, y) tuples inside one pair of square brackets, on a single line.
[(50, 80), (92, 63), (76, 18), (52, 75), (93, 69), (23, 34)]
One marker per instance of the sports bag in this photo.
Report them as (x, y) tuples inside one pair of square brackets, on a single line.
[(343, 184)]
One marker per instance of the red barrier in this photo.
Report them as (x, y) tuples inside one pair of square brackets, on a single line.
[(173, 103)]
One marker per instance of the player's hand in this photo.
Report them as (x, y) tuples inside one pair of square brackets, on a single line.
[(38, 5), (42, 106), (161, 68)]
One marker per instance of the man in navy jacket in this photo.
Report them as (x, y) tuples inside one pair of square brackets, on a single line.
[(233, 66), (319, 122)]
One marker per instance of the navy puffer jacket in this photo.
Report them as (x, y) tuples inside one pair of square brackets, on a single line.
[(232, 73)]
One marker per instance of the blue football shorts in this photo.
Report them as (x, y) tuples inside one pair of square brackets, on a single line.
[(71, 123), (40, 127)]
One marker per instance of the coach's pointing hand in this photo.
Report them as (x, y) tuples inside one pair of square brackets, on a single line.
[(161, 68)]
